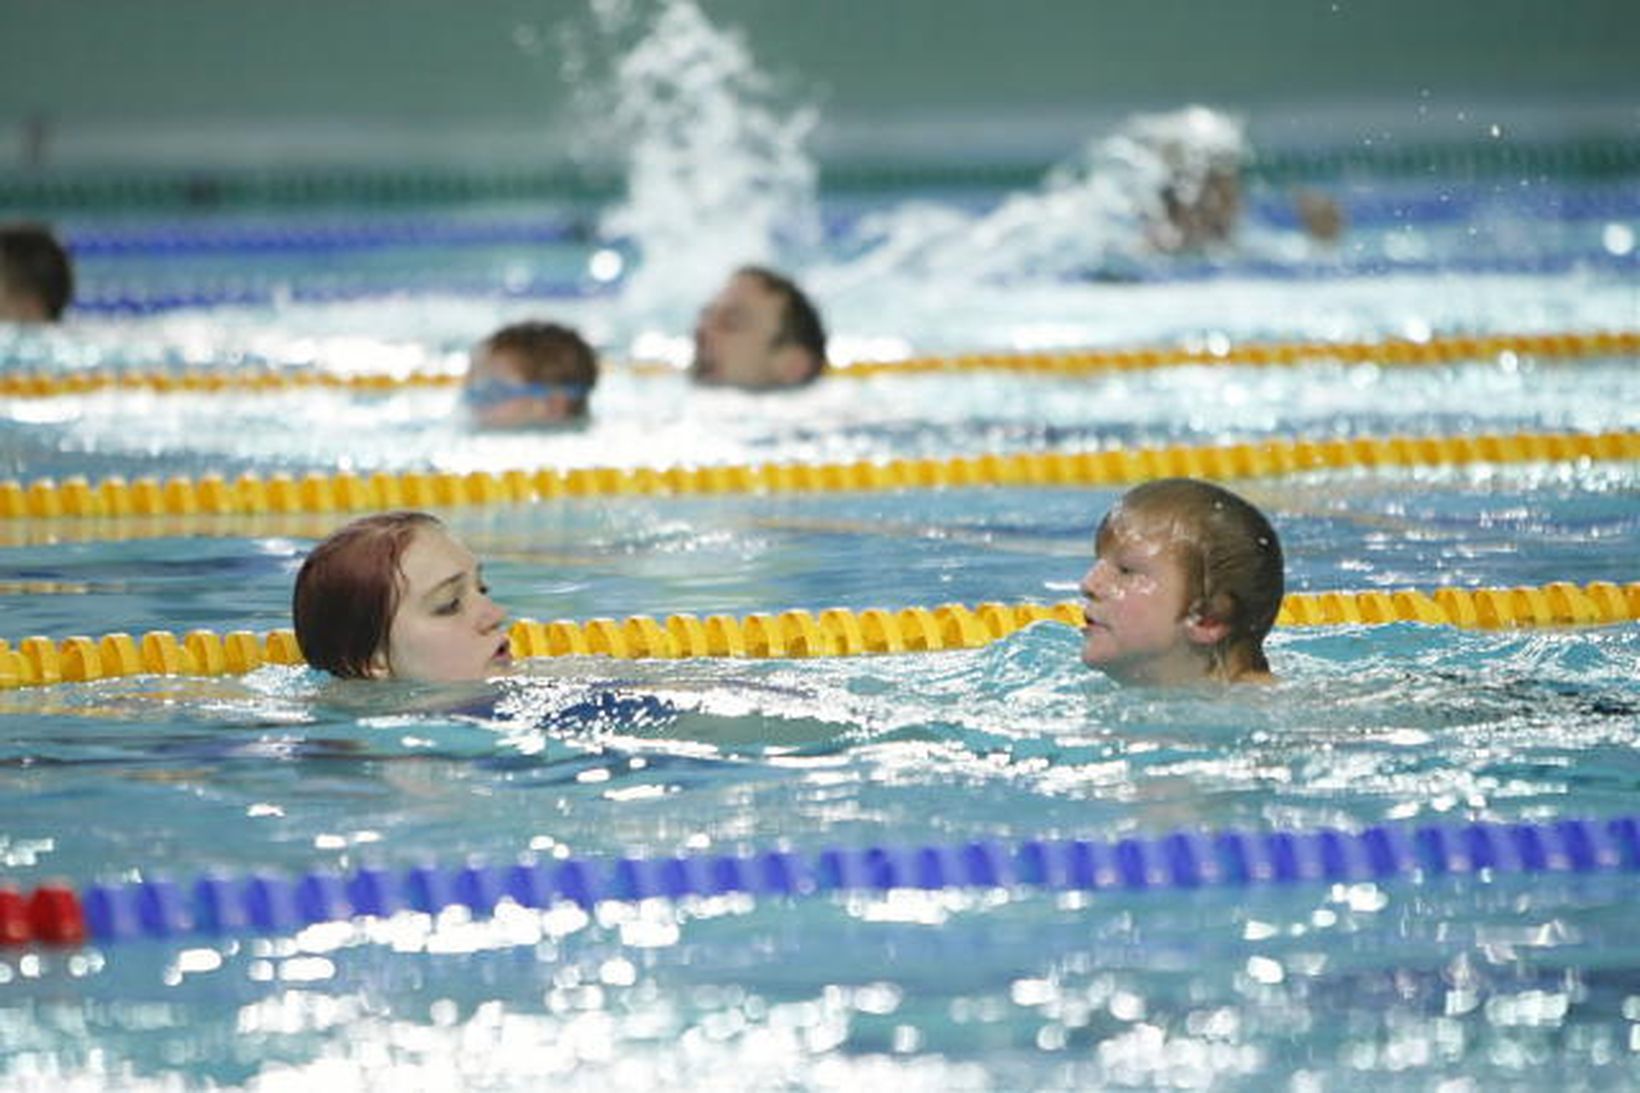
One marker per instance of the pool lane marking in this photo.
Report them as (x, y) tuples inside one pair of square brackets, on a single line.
[(77, 498), (218, 904), (797, 633), (1434, 350)]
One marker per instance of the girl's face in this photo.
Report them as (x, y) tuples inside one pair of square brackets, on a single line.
[(446, 627), (1138, 629)]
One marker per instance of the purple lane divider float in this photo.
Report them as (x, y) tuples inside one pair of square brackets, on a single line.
[(217, 904)]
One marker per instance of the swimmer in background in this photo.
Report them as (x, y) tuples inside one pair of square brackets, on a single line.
[(530, 374), (759, 333), (36, 275), (1196, 156), (1185, 585), (1161, 186), (395, 596), (1319, 215), (1199, 153)]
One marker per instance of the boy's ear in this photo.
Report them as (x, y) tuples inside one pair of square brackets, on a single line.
[(1204, 629), (1206, 626), (791, 364)]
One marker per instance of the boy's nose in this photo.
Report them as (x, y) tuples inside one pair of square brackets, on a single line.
[(1089, 586)]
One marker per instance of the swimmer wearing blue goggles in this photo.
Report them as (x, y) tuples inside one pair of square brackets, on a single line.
[(488, 393), (530, 374), (512, 404)]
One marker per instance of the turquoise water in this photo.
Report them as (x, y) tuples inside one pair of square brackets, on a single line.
[(1501, 981), (1477, 981), (1480, 527)]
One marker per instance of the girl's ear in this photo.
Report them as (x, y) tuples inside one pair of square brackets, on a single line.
[(377, 668)]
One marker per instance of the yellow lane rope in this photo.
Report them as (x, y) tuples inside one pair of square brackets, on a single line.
[(208, 380), (1439, 349), (344, 492), (836, 631)]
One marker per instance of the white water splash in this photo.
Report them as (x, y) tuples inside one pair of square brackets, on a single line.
[(1092, 217), (717, 170)]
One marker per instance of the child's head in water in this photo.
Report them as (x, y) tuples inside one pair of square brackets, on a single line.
[(394, 596), (1186, 583), (530, 374), (36, 274)]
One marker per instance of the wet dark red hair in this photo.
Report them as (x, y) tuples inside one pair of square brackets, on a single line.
[(348, 589)]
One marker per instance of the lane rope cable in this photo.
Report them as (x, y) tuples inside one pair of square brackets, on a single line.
[(1438, 349), (263, 292), (347, 492), (835, 631), (264, 902)]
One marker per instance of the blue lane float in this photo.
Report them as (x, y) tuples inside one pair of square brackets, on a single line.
[(120, 302), (215, 904), (328, 236), (206, 297), (323, 238)]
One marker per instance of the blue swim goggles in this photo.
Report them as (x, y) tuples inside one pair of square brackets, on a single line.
[(488, 393)]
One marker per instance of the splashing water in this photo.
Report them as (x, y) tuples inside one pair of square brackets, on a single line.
[(717, 172), (1114, 205)]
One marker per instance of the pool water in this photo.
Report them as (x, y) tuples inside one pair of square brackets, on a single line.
[(1499, 980), (1465, 981)]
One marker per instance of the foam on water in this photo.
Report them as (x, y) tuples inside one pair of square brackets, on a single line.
[(661, 420), (1094, 216), (717, 169), (719, 173)]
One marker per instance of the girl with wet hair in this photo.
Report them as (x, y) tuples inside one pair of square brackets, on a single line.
[(395, 596)]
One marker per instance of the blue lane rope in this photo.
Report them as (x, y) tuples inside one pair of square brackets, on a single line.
[(1383, 266), (321, 238), (128, 302), (217, 904), (1452, 205), (205, 296), (329, 237)]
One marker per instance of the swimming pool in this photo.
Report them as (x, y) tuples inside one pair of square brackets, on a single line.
[(1419, 974)]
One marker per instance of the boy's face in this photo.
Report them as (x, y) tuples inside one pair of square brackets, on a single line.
[(501, 396), (1137, 628), (737, 339), (20, 306)]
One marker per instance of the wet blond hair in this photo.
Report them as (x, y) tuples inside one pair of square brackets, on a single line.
[(1231, 556)]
